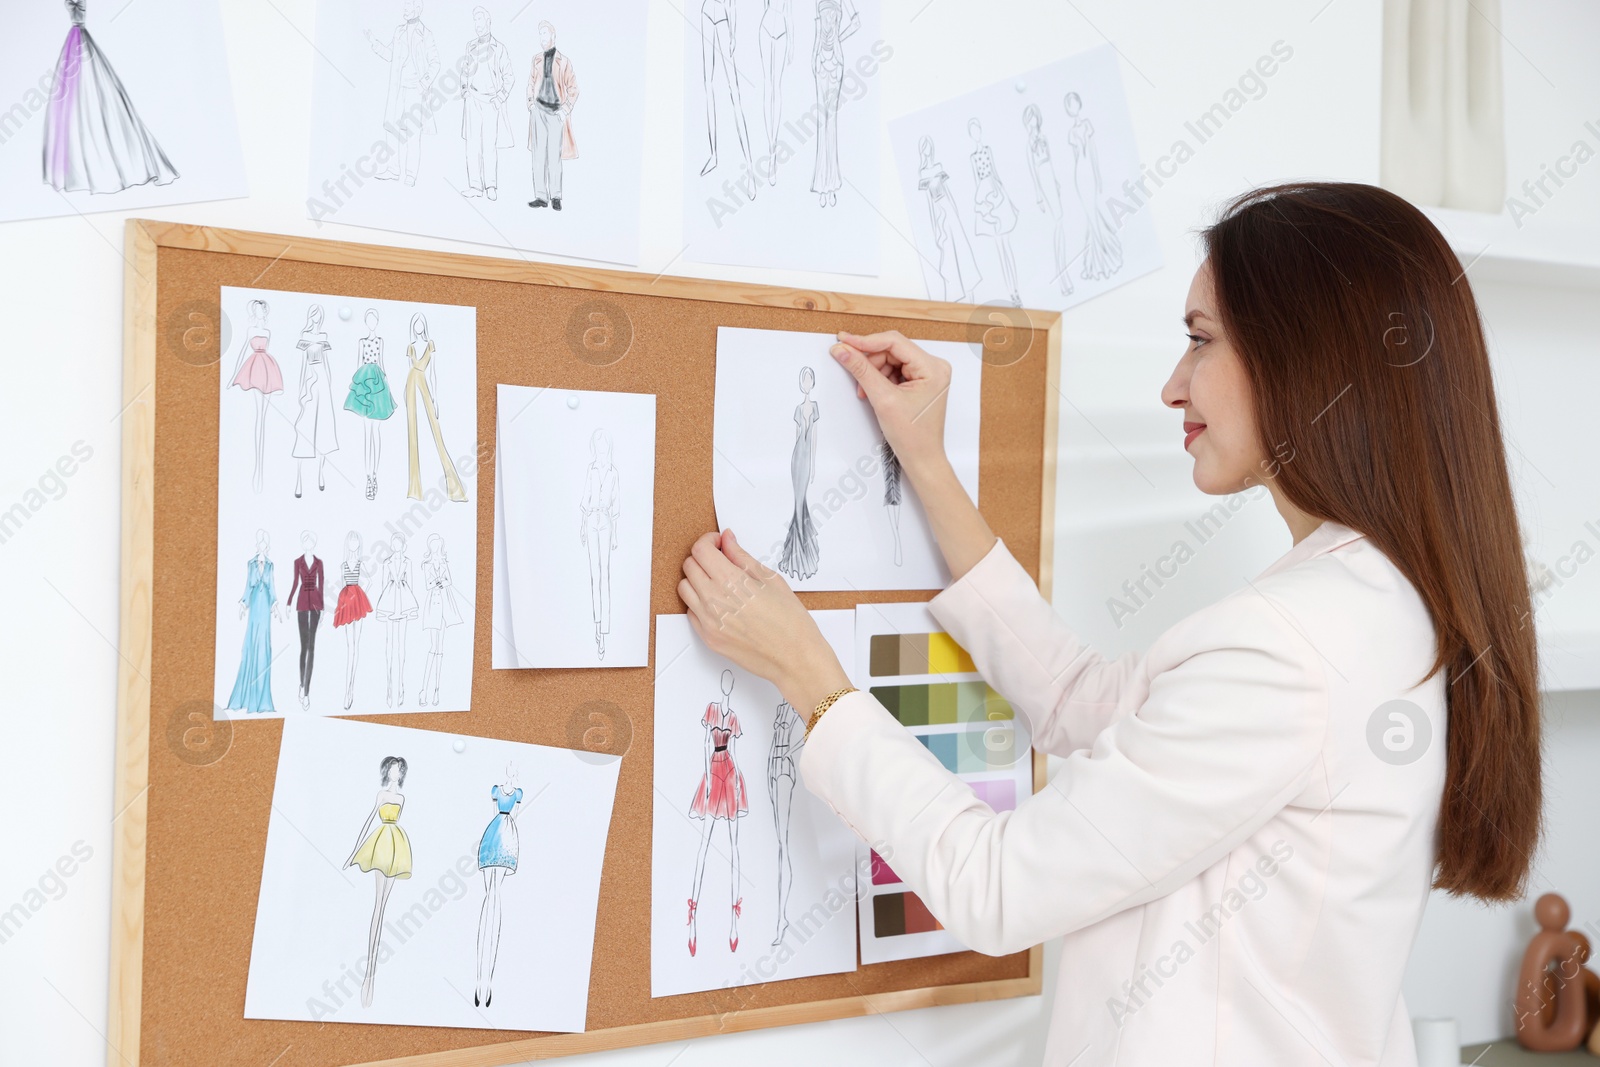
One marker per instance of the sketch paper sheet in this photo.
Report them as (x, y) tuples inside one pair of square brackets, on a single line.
[(486, 859), (802, 475), (446, 124), (347, 433), (574, 516), (115, 106), (781, 134), (1022, 192), (735, 826), (930, 684)]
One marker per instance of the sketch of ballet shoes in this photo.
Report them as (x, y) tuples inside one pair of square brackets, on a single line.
[(733, 932), (692, 905)]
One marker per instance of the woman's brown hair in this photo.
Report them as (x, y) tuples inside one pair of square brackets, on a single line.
[(1375, 401)]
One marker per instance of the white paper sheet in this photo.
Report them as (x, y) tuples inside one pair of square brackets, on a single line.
[(791, 109), (412, 635), (314, 916), (763, 418), (413, 123), (168, 137), (575, 517), (1003, 215), (819, 936), (973, 731)]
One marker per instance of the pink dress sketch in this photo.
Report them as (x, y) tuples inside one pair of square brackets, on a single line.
[(720, 800)]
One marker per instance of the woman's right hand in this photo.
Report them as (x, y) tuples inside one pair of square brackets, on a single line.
[(907, 388)]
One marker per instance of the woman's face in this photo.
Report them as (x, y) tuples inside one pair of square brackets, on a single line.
[(1210, 385)]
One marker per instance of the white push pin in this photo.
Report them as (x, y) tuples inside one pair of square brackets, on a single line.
[(345, 313), (572, 401), (460, 746), (1022, 86)]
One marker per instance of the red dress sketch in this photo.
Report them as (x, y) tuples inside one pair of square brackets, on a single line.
[(721, 794)]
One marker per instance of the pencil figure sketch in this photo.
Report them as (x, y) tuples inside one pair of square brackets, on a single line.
[(552, 94), (777, 50), (413, 60), (958, 267), (996, 214), (801, 550), (422, 383), (718, 40), (370, 398), (351, 607), (256, 371), (1047, 193), (386, 852), (827, 68), (315, 434), (721, 797), (305, 593), (439, 612), (485, 124), (891, 494), (1102, 248), (94, 140), (396, 605), (252, 686), (597, 530), (497, 859), (788, 737)]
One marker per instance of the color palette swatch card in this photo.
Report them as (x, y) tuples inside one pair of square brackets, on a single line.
[(930, 684)]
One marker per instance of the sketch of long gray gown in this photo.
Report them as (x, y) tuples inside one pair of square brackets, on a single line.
[(1047, 192), (94, 140), (958, 267), (1102, 249), (801, 550), (836, 20)]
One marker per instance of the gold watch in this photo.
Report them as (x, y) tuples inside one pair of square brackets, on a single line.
[(824, 704)]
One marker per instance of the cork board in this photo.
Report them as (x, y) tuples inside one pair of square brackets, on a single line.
[(193, 795)]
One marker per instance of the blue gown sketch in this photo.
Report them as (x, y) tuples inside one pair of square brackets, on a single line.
[(252, 687), (801, 551)]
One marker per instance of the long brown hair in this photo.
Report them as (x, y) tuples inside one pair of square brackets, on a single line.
[(1373, 394)]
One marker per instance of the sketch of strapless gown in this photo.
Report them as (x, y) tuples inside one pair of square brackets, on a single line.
[(800, 548), (94, 140), (1102, 249)]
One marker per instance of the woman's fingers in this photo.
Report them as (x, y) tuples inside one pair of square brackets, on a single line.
[(871, 383), (892, 344)]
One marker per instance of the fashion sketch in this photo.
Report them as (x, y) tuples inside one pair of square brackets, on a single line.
[(485, 123), (396, 605), (891, 494), (1102, 248), (721, 797), (305, 593), (315, 434), (1047, 193), (801, 550), (386, 852), (252, 686), (439, 611), (997, 215), (552, 94), (413, 60), (256, 371), (497, 859), (597, 530), (351, 607), (777, 50), (718, 40), (788, 736), (94, 140), (836, 20), (370, 398), (958, 267), (422, 383)]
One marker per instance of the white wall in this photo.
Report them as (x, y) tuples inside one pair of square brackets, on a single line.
[(1124, 486)]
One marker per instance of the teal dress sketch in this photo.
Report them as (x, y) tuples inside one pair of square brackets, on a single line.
[(499, 845), (369, 394), (252, 687)]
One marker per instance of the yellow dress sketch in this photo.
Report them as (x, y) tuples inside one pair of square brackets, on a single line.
[(417, 382), (386, 849)]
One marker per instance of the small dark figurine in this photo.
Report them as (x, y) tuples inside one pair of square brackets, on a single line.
[(1552, 1014)]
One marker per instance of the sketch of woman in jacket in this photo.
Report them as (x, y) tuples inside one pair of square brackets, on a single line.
[(396, 605), (439, 611)]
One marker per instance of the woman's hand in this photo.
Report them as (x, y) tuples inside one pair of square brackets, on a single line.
[(746, 613), (907, 388)]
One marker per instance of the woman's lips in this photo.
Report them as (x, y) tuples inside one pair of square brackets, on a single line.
[(1191, 430)]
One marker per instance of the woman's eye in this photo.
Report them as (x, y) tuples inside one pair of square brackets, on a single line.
[(1196, 340)]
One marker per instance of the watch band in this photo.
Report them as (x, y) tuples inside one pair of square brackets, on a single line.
[(824, 704)]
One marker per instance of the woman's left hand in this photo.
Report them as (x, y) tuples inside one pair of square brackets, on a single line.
[(746, 613)]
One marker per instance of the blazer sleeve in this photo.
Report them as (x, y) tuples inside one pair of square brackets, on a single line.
[(1069, 692), (1231, 732)]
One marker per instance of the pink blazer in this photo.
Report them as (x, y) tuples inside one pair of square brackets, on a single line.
[(566, 93), (1231, 848)]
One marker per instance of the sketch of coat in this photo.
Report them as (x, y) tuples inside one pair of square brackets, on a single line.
[(489, 80), (958, 267), (395, 598), (252, 686), (996, 213), (440, 608), (565, 83), (314, 431), (413, 64)]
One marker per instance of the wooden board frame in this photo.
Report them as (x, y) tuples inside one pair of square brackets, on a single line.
[(1003, 333)]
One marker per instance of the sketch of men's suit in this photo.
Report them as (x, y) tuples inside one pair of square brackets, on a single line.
[(552, 94), (485, 124), (413, 60)]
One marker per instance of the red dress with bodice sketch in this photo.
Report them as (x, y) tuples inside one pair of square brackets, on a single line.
[(721, 794)]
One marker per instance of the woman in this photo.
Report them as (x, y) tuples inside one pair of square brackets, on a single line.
[(497, 859), (1047, 192), (597, 530), (827, 69), (396, 605), (422, 382), (958, 267), (370, 398), (996, 214), (1336, 357), (315, 434), (351, 608), (252, 686), (801, 552), (1102, 248), (386, 852), (721, 797), (439, 611), (257, 371)]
